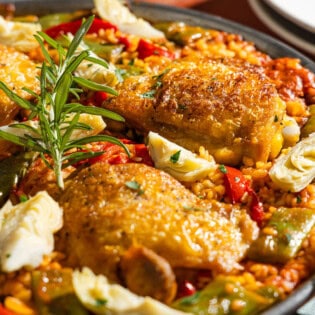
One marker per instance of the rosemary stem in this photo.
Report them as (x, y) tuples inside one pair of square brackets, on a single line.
[(58, 170)]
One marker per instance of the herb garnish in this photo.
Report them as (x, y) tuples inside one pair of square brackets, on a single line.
[(158, 83), (222, 169), (100, 302), (190, 300), (134, 185), (150, 94), (57, 119), (175, 157)]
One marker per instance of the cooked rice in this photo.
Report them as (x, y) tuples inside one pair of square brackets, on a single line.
[(16, 287)]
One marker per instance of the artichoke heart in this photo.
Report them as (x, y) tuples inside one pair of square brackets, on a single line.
[(19, 35), (102, 297), (115, 12), (294, 170), (179, 162), (94, 125)]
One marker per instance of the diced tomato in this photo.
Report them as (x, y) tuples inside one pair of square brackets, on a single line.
[(236, 185), (146, 49), (72, 27), (115, 154)]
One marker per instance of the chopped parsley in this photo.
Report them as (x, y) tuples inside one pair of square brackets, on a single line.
[(223, 169), (191, 208), (100, 302), (157, 84), (190, 300), (175, 157), (150, 94), (160, 76), (134, 185), (182, 106), (23, 198), (298, 199)]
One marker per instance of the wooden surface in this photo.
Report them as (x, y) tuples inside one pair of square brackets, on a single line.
[(235, 10)]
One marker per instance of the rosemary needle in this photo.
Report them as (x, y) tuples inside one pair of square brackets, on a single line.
[(57, 119)]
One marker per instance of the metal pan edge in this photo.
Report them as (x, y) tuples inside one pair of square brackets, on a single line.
[(154, 12)]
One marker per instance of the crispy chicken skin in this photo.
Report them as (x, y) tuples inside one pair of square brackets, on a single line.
[(103, 218), (16, 71), (229, 107)]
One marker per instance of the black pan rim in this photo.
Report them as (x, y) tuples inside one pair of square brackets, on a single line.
[(265, 43)]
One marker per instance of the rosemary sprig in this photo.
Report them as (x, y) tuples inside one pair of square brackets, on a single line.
[(58, 119)]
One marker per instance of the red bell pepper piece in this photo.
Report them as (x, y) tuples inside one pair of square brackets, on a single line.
[(72, 27), (257, 210), (125, 41), (186, 289), (236, 185), (142, 154), (146, 49), (115, 154), (97, 99), (4, 311), (100, 97)]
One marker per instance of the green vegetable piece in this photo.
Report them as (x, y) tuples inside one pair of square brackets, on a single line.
[(291, 226), (11, 170), (108, 52), (225, 296), (180, 33), (309, 127), (54, 294), (50, 20)]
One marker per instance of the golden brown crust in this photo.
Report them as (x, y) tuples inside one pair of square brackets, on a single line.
[(16, 71), (103, 218), (229, 107)]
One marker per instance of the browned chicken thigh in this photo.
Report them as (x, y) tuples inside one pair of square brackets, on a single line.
[(109, 209), (17, 71), (230, 108)]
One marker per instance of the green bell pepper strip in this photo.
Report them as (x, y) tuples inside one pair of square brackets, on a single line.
[(180, 33), (54, 294), (309, 127), (291, 226), (226, 296), (108, 52)]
